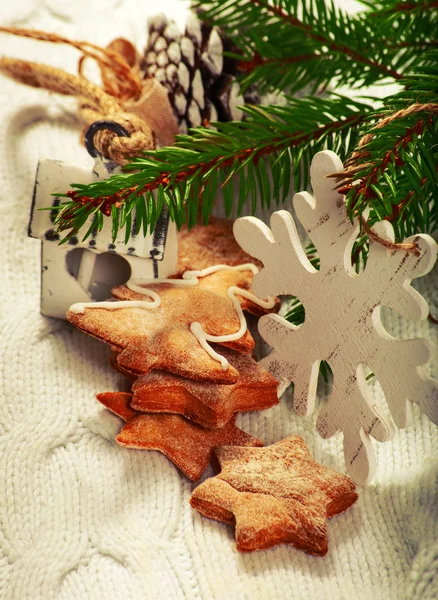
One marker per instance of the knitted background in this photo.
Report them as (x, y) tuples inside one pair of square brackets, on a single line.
[(81, 517)]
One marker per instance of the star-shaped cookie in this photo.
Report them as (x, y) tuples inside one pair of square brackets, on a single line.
[(215, 244), (273, 495), (212, 244), (207, 404), (160, 338), (187, 445)]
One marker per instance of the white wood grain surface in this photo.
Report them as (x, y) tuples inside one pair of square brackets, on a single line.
[(342, 317)]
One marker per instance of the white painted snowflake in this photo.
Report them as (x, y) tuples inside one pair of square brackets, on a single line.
[(342, 317)]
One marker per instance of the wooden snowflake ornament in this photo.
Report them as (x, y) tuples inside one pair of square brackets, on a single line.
[(343, 324)]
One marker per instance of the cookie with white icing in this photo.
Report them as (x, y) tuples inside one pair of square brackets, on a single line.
[(172, 332)]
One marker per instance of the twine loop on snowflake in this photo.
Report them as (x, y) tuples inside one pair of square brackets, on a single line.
[(357, 161), (406, 246)]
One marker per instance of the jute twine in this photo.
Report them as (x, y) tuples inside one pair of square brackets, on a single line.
[(354, 164), (121, 81), (429, 107)]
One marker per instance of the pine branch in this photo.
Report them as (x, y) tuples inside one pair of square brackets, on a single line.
[(323, 11), (389, 7), (287, 44), (393, 170), (290, 44), (401, 186), (403, 29), (252, 159)]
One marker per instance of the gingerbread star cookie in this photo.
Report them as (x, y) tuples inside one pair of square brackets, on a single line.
[(274, 495), (208, 405), (187, 445), (211, 244), (160, 338)]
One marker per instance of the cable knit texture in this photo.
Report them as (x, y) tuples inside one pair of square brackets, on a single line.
[(81, 517)]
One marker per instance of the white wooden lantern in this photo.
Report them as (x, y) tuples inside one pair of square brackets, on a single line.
[(85, 271)]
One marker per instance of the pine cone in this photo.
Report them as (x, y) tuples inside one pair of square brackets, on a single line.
[(200, 82)]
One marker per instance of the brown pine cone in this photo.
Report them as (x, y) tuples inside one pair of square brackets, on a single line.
[(200, 82)]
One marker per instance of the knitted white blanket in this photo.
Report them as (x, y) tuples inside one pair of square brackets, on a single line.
[(81, 517)]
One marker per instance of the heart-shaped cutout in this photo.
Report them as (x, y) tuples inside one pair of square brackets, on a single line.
[(98, 273)]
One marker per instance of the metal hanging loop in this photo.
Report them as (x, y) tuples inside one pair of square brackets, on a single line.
[(98, 126)]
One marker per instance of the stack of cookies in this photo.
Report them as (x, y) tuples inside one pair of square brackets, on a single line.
[(186, 419), (183, 402)]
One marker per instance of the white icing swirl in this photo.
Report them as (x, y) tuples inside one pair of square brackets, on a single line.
[(189, 278)]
